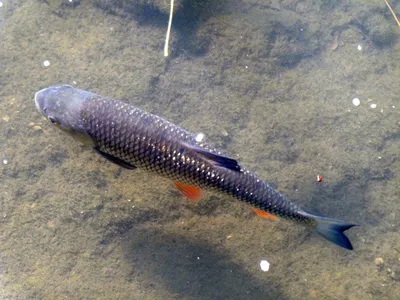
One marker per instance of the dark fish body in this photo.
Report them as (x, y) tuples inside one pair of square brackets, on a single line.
[(133, 138)]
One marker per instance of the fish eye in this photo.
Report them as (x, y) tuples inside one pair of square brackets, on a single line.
[(53, 120)]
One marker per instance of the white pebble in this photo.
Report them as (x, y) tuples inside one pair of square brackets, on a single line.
[(264, 265), (356, 101), (46, 63), (359, 47), (1, 4), (199, 137), (373, 105), (5, 161)]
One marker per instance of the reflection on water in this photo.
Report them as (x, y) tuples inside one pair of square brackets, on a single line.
[(270, 82)]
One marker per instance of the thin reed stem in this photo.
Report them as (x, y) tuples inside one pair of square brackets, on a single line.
[(391, 10), (171, 12)]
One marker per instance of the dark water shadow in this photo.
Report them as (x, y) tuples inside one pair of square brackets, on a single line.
[(186, 21), (190, 269)]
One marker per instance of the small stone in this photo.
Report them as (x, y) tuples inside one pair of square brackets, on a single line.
[(5, 161), (373, 105), (379, 261), (393, 275), (37, 127), (46, 63), (1, 4), (264, 265), (356, 101), (6, 118), (199, 137), (224, 132), (359, 47)]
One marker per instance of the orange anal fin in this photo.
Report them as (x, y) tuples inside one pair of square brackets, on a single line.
[(189, 191), (264, 214)]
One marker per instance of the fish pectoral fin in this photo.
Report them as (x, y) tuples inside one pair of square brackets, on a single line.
[(264, 214), (115, 160), (192, 192), (219, 160)]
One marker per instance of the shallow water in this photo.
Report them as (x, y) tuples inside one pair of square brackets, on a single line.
[(269, 82)]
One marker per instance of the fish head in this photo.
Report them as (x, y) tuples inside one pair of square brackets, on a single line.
[(62, 106)]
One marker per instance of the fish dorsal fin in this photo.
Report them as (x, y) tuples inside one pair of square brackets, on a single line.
[(192, 192), (219, 160), (264, 214)]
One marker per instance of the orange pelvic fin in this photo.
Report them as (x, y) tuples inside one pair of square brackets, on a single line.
[(189, 191), (264, 214)]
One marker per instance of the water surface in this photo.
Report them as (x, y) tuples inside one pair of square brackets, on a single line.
[(269, 82)]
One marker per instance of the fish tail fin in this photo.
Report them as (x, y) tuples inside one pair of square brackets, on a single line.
[(332, 230)]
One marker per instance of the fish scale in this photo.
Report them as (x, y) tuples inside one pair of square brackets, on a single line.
[(147, 141), (133, 138)]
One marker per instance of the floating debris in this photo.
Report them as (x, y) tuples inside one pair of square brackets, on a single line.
[(319, 178), (264, 265), (373, 105), (46, 63), (356, 101), (5, 161), (359, 47), (1, 4)]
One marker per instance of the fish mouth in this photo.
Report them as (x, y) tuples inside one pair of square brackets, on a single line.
[(38, 97)]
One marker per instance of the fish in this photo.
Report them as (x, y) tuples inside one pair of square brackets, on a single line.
[(133, 138)]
